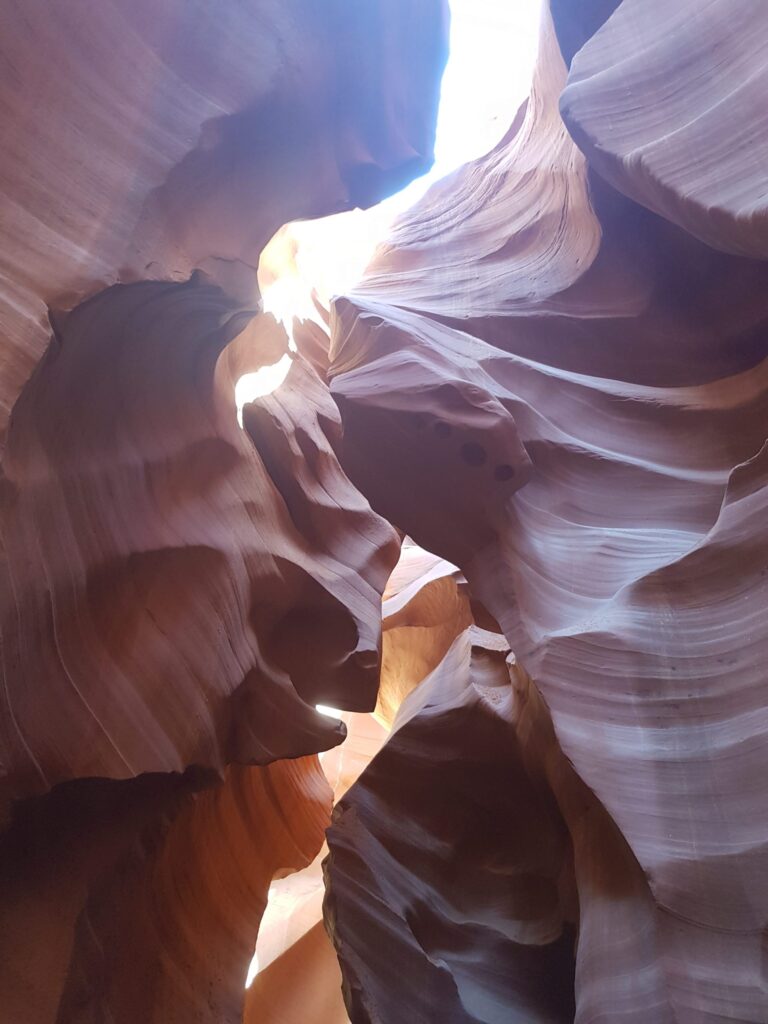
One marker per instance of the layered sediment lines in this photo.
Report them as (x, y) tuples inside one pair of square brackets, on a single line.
[(452, 862), (168, 552), (691, 142), (589, 449), (142, 139), (176, 593), (553, 377)]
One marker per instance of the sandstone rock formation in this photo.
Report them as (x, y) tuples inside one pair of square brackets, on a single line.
[(548, 398), (298, 974), (691, 145), (572, 407), (177, 593), (141, 138), (451, 865)]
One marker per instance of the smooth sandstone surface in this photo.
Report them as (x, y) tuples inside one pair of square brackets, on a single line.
[(461, 875), (177, 592), (140, 900), (692, 143), (507, 514), (142, 138), (589, 449), (174, 595)]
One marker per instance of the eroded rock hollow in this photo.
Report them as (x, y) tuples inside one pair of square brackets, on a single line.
[(508, 514)]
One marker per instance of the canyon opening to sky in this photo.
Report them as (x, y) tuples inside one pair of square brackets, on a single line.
[(432, 684), (492, 52), (487, 77)]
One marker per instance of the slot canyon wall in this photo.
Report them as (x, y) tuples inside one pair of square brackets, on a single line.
[(508, 513)]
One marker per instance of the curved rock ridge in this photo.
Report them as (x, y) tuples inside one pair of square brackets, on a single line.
[(554, 376), (140, 900), (292, 943), (619, 962), (624, 586), (498, 229), (528, 249), (168, 553), (617, 970), (680, 128), (592, 462), (424, 608), (449, 876), (177, 593), (197, 902), (142, 138), (443, 758)]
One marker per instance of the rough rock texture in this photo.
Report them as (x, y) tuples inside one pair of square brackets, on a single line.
[(567, 396)]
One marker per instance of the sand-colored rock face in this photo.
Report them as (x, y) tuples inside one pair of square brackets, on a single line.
[(549, 395)]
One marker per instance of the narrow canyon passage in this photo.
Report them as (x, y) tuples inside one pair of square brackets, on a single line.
[(383, 505)]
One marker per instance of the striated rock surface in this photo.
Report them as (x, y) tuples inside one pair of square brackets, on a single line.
[(680, 128), (554, 377), (450, 860), (140, 900), (578, 422), (168, 553), (177, 592), (142, 138), (425, 607)]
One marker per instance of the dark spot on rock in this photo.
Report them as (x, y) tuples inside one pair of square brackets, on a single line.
[(473, 453), (504, 472)]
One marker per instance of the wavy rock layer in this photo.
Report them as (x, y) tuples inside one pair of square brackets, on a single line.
[(554, 376), (140, 900), (176, 593), (588, 448), (425, 607), (141, 139), (453, 877), (167, 553), (693, 143)]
